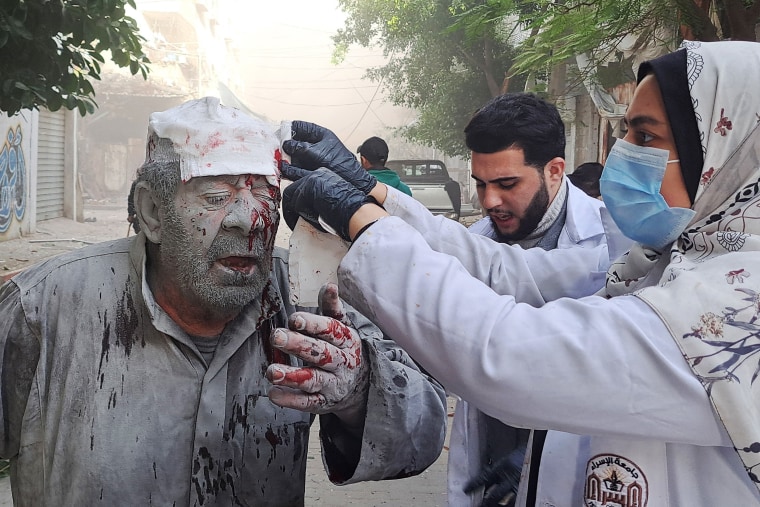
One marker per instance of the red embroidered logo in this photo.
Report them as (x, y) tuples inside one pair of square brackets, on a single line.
[(723, 124), (706, 176)]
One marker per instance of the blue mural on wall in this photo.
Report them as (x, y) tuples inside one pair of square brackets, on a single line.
[(12, 179)]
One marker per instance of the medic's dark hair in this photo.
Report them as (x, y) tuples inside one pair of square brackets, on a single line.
[(670, 72), (518, 120)]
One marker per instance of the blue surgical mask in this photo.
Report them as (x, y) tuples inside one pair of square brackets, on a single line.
[(630, 186)]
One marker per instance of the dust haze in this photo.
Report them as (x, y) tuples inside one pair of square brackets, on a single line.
[(286, 52), (273, 58)]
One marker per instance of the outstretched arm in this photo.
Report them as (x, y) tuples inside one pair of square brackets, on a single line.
[(343, 192), (545, 367)]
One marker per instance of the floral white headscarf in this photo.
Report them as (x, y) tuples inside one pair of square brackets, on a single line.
[(707, 291)]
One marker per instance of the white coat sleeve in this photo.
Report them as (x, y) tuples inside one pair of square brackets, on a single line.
[(590, 366), (533, 276)]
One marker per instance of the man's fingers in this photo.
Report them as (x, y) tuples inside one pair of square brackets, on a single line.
[(289, 398), (322, 327), (311, 350), (330, 303), (308, 380)]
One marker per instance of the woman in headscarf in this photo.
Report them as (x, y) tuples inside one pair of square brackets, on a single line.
[(651, 391)]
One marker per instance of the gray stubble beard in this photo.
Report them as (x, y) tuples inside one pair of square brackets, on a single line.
[(192, 272)]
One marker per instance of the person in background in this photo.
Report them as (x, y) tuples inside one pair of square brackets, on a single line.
[(518, 164), (454, 191), (649, 387), (164, 368), (373, 154), (586, 177)]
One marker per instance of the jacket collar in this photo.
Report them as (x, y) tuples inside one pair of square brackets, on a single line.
[(582, 222)]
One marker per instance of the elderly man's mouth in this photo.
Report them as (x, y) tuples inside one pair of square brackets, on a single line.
[(246, 265)]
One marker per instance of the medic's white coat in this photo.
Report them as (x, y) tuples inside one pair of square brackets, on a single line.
[(638, 426), (583, 228)]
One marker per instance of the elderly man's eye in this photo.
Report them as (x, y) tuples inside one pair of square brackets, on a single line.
[(216, 200)]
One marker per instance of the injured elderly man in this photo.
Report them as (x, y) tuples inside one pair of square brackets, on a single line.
[(171, 368)]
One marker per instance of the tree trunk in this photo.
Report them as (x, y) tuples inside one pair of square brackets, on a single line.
[(695, 19), (741, 19), (493, 84)]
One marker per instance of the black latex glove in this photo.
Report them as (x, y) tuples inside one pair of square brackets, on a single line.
[(314, 146), (500, 480), (291, 172), (289, 212), (322, 193)]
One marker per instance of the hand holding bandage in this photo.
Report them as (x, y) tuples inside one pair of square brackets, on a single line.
[(321, 195), (313, 146)]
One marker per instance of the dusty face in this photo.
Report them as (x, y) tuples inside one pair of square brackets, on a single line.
[(515, 195), (648, 125), (218, 237)]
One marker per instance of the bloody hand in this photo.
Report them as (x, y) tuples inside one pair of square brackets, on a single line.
[(335, 378)]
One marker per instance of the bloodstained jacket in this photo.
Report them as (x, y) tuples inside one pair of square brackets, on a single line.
[(106, 401)]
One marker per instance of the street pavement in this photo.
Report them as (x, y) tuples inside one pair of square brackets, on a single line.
[(106, 220)]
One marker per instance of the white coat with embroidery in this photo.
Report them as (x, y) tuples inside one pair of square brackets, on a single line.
[(632, 424), (583, 228)]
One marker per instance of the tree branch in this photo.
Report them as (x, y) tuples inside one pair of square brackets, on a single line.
[(742, 19), (697, 24)]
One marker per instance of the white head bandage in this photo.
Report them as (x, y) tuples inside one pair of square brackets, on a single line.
[(209, 139)]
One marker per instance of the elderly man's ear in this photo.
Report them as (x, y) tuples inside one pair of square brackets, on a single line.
[(147, 208)]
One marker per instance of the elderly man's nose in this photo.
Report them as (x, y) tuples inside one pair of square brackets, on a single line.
[(242, 215)]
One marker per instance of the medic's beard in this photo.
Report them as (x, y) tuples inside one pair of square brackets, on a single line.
[(530, 219)]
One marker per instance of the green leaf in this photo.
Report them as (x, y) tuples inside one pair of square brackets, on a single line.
[(51, 50), (54, 102), (442, 71)]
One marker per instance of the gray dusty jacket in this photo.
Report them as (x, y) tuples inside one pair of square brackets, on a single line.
[(106, 401)]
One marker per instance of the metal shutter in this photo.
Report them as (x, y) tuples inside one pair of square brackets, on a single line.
[(50, 158)]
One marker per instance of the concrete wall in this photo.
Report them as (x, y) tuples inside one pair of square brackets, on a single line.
[(18, 178), (581, 128), (73, 207), (586, 140)]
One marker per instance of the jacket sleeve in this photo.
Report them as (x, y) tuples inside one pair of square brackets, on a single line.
[(405, 425), (591, 366), (19, 355), (534, 276)]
